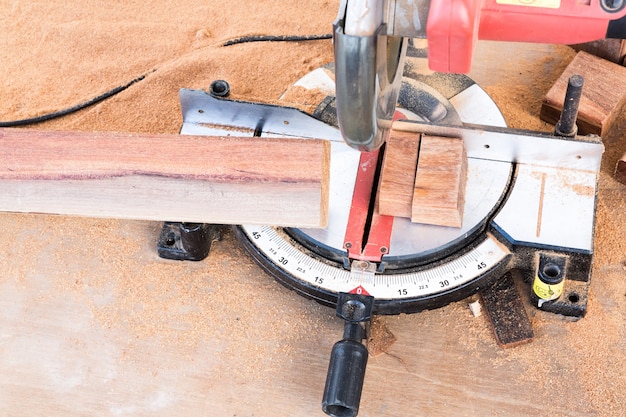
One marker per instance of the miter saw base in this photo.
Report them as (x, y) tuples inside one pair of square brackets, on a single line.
[(426, 266), (529, 206)]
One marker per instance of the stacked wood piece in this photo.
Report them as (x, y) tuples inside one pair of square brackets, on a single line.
[(397, 177), (613, 50), (423, 177), (603, 95)]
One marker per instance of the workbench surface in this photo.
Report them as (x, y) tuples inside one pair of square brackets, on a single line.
[(93, 323)]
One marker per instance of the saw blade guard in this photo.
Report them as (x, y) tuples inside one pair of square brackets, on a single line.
[(368, 74)]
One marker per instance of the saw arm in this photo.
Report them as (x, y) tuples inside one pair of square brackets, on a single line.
[(368, 71)]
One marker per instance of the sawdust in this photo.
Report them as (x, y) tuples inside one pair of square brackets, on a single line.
[(123, 42), (380, 338), (520, 95), (131, 291)]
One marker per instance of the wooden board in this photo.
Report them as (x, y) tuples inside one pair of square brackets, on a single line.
[(101, 327), (225, 180), (603, 97), (439, 191), (397, 177), (506, 313)]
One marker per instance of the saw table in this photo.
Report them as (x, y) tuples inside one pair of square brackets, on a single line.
[(95, 323)]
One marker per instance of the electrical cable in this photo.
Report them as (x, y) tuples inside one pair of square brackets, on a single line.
[(116, 90), (73, 109), (280, 38)]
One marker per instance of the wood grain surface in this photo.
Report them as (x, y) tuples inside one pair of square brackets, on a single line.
[(613, 50), (397, 178), (620, 170), (439, 189), (423, 178), (224, 180)]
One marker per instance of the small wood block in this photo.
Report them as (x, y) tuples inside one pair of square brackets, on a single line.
[(620, 170), (439, 191), (603, 96), (397, 177), (613, 50), (506, 313)]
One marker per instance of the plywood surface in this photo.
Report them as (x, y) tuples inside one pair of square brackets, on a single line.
[(93, 323)]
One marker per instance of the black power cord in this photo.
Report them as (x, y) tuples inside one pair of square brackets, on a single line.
[(278, 38), (116, 90), (73, 109)]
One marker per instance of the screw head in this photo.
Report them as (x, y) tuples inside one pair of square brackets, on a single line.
[(219, 88)]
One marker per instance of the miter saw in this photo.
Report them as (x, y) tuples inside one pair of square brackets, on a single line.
[(530, 196)]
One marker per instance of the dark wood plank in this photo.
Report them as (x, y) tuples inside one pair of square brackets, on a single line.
[(613, 50), (620, 170), (506, 313)]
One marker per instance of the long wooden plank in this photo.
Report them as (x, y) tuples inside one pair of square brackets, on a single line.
[(226, 180)]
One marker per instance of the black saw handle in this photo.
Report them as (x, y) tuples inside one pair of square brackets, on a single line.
[(348, 359)]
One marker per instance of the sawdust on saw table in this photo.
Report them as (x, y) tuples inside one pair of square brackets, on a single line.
[(56, 55)]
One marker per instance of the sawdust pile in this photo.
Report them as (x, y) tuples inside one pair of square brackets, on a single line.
[(76, 53), (56, 55)]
